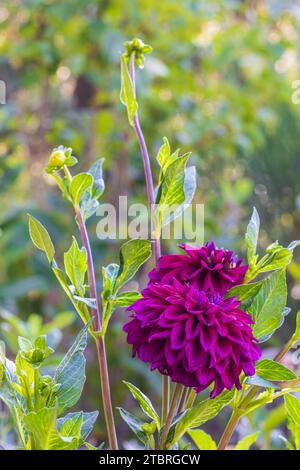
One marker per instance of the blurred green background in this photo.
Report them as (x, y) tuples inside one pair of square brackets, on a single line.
[(218, 83)]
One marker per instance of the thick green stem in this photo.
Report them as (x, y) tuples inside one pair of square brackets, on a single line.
[(231, 425)]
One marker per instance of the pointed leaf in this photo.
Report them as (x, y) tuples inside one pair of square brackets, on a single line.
[(126, 298), (202, 440), (89, 202), (40, 238), (164, 153), (252, 234), (267, 307), (244, 292), (79, 185), (247, 442), (135, 425), (76, 266), (144, 403), (292, 407), (88, 421), (127, 95), (71, 372), (133, 255), (202, 412), (270, 370)]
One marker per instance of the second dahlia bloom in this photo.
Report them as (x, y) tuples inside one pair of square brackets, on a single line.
[(194, 337), (207, 267)]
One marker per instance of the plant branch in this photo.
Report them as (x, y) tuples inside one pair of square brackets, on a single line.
[(183, 400), (231, 425), (151, 201), (100, 344), (171, 414)]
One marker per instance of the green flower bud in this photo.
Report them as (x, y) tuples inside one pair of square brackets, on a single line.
[(61, 156), (138, 48), (57, 159), (34, 354)]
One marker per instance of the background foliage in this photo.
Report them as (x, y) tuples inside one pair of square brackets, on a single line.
[(219, 83)]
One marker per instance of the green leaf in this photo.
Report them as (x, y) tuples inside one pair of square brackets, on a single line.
[(202, 412), (136, 425), (9, 395), (277, 257), (202, 440), (40, 238), (144, 403), (126, 298), (296, 335), (79, 185), (292, 407), (268, 306), (252, 235), (88, 421), (25, 345), (98, 181), (76, 266), (295, 431), (260, 382), (270, 370), (71, 426), (90, 198), (178, 185), (63, 281), (41, 425), (245, 292), (110, 275), (133, 255), (189, 188), (246, 442), (71, 372), (164, 153), (127, 95), (44, 436)]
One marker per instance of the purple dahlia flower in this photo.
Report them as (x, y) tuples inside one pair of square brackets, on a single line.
[(207, 267), (194, 337)]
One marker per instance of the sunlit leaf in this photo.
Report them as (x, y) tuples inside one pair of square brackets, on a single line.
[(41, 238)]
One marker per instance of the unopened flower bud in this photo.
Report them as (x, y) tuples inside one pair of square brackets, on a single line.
[(57, 158)]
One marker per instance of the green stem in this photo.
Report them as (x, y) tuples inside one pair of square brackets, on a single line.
[(165, 398), (280, 355), (151, 202), (171, 414), (190, 399), (100, 344), (183, 398), (231, 425), (36, 389)]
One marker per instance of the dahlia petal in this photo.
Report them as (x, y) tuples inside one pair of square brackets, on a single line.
[(183, 326), (177, 336)]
